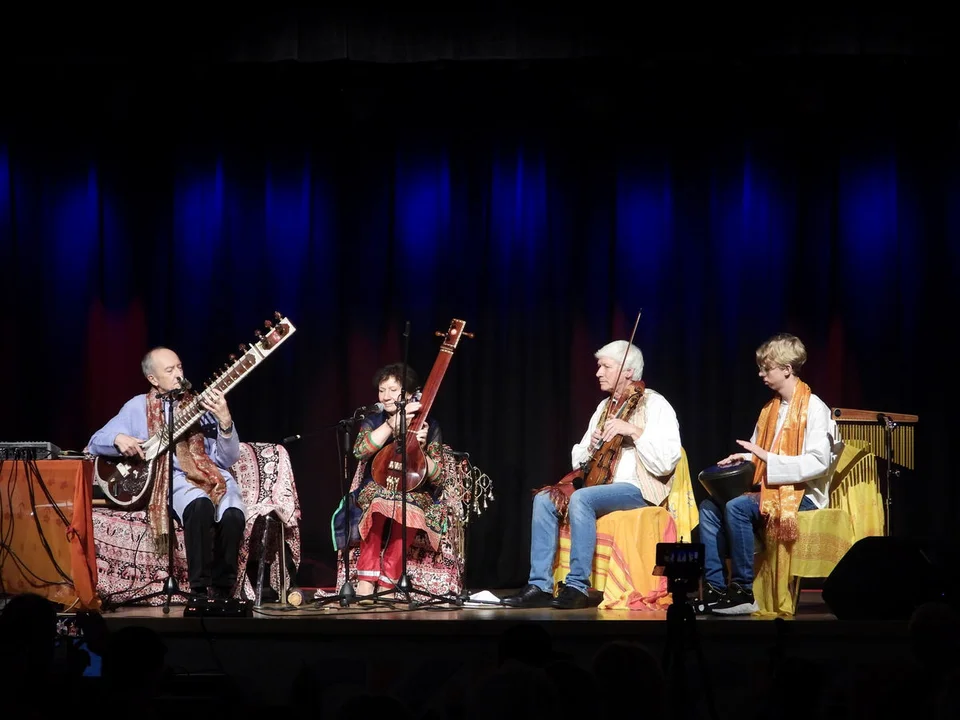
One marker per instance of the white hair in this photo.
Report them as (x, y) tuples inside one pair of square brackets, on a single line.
[(615, 351)]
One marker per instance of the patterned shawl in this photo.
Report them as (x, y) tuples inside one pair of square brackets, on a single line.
[(194, 461), (780, 504)]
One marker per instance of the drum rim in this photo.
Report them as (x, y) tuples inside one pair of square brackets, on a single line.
[(720, 471)]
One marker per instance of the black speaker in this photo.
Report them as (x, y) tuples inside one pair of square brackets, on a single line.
[(883, 578)]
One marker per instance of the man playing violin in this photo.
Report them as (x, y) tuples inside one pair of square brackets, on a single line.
[(792, 447), (639, 472)]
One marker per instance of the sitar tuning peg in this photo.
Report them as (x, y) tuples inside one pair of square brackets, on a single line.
[(277, 316), (233, 358), (258, 334), (267, 324), (243, 348)]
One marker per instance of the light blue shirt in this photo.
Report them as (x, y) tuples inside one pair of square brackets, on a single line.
[(223, 450)]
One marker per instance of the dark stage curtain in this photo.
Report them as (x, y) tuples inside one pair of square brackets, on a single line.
[(545, 205)]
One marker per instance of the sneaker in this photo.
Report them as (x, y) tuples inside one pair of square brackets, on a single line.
[(711, 595), (736, 601)]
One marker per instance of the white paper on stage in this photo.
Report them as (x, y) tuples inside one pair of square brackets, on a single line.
[(484, 598)]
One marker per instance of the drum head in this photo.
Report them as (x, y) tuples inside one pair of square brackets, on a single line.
[(722, 472), (726, 482)]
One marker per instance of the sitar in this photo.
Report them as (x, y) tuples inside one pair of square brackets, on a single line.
[(126, 481), (388, 463)]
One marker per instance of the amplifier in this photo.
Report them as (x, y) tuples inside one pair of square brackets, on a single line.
[(29, 449)]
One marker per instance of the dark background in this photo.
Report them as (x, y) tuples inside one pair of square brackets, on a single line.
[(169, 177)]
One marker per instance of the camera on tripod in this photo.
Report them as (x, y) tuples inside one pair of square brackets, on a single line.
[(682, 565)]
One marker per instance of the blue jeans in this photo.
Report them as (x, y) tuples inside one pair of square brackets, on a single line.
[(586, 505), (730, 533)]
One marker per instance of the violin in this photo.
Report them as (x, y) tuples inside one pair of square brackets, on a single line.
[(598, 468)]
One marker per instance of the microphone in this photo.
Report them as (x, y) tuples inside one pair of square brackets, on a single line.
[(290, 439), (362, 412), (184, 383), (884, 420)]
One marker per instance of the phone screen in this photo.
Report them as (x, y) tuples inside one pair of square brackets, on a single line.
[(70, 638)]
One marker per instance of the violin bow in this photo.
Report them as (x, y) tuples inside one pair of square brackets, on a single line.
[(624, 360)]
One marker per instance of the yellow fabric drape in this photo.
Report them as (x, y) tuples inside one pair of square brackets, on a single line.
[(626, 549), (681, 503), (624, 558), (857, 489), (855, 512)]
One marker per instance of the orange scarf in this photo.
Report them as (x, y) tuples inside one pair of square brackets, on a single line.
[(192, 455), (780, 504)]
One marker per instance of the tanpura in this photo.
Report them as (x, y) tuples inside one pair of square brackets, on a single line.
[(388, 463), (388, 468)]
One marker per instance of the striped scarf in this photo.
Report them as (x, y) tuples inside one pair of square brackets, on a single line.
[(191, 453), (780, 504)]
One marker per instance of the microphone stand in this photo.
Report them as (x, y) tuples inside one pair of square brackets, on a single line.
[(888, 427), (404, 585), (170, 586), (347, 593)]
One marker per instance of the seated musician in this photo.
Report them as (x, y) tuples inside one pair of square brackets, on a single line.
[(206, 497), (791, 448), (381, 536), (641, 474)]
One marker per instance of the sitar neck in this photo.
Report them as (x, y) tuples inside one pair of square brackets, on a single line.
[(253, 354)]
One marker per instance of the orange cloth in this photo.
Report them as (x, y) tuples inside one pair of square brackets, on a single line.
[(780, 504), (28, 566)]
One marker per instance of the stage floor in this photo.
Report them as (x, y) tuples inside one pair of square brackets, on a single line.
[(810, 609), (270, 653)]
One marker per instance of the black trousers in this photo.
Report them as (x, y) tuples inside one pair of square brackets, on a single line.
[(213, 548)]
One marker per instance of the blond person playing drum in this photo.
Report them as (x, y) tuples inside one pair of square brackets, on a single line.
[(791, 448)]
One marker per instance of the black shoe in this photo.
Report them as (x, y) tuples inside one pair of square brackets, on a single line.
[(570, 599), (711, 595), (530, 597), (222, 593), (736, 601)]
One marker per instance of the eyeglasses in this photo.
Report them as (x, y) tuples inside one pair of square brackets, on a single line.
[(767, 369)]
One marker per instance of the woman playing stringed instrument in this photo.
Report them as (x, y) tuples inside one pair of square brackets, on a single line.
[(380, 532), (625, 460)]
